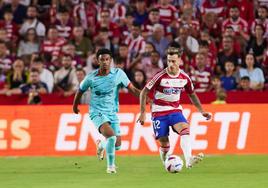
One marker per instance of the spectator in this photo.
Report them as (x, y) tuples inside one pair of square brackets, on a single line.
[(18, 11), (65, 78), (4, 38), (126, 27), (56, 6), (69, 49), (227, 54), (200, 75), (220, 97), (239, 25), (255, 74), (189, 43), (45, 75), (246, 8), (83, 45), (187, 20), (168, 13), (113, 28), (64, 24), (261, 20), (244, 84), (215, 6), (5, 59), (258, 43), (29, 45), (153, 18), (140, 13), (135, 42), (215, 84), (117, 11), (34, 85), (211, 23), (32, 22), (153, 66), (209, 56), (10, 26), (52, 46), (103, 39), (139, 80), (80, 74), (85, 14), (158, 39), (228, 80), (17, 76)]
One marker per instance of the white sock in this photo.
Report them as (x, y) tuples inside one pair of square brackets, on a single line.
[(186, 147), (163, 153)]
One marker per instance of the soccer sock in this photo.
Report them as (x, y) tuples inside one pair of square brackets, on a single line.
[(102, 144), (186, 144), (110, 150), (163, 150), (117, 148)]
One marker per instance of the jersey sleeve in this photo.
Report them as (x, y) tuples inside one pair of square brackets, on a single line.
[(189, 87), (154, 82), (122, 78), (86, 83)]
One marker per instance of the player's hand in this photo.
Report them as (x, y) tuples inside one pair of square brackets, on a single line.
[(141, 119), (76, 110), (206, 115)]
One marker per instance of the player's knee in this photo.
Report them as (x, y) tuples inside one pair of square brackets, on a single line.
[(117, 147), (184, 131)]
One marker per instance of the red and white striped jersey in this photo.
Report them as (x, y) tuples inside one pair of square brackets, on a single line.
[(135, 46), (167, 90), (53, 48), (201, 79), (11, 29), (64, 31), (264, 24), (118, 12), (217, 8), (243, 24), (167, 14), (87, 15)]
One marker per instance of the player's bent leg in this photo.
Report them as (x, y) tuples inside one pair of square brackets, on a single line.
[(164, 148)]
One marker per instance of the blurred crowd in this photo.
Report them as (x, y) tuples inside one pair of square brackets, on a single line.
[(49, 45)]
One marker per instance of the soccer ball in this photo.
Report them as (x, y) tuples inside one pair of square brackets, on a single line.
[(173, 164)]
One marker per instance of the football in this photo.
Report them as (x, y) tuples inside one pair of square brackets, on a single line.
[(173, 164)]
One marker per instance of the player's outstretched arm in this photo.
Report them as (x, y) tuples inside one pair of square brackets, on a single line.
[(195, 100), (76, 101), (143, 96), (133, 90)]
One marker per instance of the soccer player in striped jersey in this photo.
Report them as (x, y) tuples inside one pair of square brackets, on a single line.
[(104, 84), (167, 86)]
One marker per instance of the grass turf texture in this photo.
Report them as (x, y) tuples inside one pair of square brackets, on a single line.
[(147, 171)]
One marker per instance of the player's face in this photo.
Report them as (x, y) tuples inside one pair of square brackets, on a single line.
[(105, 61), (173, 62)]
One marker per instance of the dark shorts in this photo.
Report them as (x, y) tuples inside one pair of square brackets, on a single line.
[(161, 124)]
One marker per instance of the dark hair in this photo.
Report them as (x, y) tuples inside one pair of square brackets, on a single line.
[(153, 10), (34, 70), (136, 24), (104, 29), (103, 51), (36, 39), (155, 52), (136, 84), (38, 60), (264, 7), (234, 7), (203, 43), (245, 78), (174, 48), (63, 9), (82, 70)]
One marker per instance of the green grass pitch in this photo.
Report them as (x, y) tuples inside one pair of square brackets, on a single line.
[(232, 171)]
